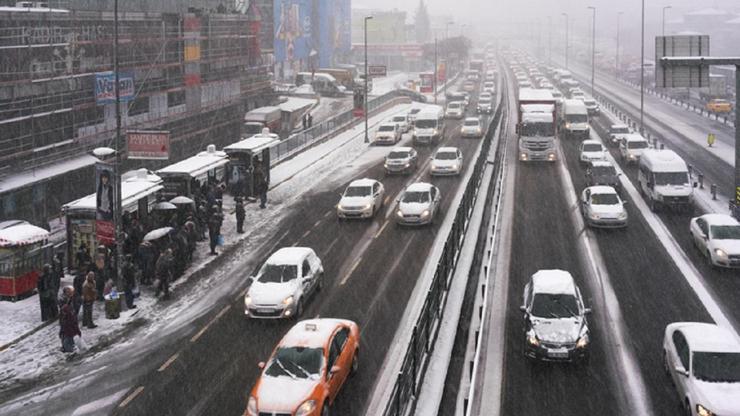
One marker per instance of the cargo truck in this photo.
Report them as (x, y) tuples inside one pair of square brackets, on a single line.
[(259, 118), (537, 125)]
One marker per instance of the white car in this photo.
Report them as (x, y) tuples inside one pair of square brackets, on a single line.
[(402, 121), (362, 199), (388, 133), (616, 132), (455, 109), (485, 96), (590, 151), (703, 362), (446, 161), (401, 160), (282, 284), (602, 207), (418, 204), (631, 147), (592, 106), (718, 237), (489, 87), (471, 128)]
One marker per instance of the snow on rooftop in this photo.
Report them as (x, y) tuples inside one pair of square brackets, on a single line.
[(197, 164), (553, 281), (312, 333), (531, 94), (289, 255), (132, 190), (633, 137), (447, 149), (22, 234), (36, 175), (296, 103), (264, 110), (602, 189), (254, 144), (419, 187), (663, 160), (363, 182)]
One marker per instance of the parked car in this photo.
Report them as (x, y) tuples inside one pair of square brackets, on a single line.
[(446, 161), (602, 172), (632, 146), (418, 204), (702, 360), (717, 236), (592, 106), (402, 122), (602, 207), (555, 323), (590, 151), (362, 199), (471, 127), (455, 109), (401, 160), (616, 132), (307, 369), (280, 288), (388, 133)]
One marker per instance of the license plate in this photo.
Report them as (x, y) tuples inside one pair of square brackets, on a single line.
[(265, 310), (559, 353)]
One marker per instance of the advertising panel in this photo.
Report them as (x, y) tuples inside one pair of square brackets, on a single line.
[(359, 102), (377, 70), (148, 144), (335, 31), (427, 82), (292, 29), (104, 202), (105, 93)]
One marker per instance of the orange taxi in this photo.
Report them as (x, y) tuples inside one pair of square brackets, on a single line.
[(719, 106), (307, 369)]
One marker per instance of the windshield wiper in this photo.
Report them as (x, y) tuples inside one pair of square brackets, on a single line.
[(303, 370), (277, 361)]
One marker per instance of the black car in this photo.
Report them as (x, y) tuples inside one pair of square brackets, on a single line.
[(603, 173)]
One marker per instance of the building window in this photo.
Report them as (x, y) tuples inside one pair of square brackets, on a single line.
[(175, 98), (139, 106)]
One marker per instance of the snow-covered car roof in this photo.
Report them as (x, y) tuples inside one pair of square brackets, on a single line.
[(456, 103), (363, 182), (312, 333), (447, 150), (633, 137), (554, 282), (289, 255), (601, 164), (708, 337), (591, 142), (22, 234), (401, 149), (619, 126), (419, 187), (403, 116), (719, 219), (601, 189), (472, 119), (388, 123)]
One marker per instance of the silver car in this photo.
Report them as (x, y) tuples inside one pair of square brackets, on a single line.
[(418, 205)]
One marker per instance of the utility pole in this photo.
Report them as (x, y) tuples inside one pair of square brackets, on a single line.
[(642, 68), (367, 139), (593, 49), (549, 40), (566, 39), (447, 55), (664, 9), (119, 150), (616, 70), (434, 81)]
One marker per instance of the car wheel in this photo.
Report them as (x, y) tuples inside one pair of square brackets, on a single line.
[(355, 363), (687, 408), (709, 260)]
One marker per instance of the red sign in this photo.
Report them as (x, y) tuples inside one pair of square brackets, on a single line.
[(146, 144), (427, 82)]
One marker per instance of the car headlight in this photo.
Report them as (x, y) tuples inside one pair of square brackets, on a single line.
[(582, 341), (631, 156), (567, 125), (720, 253), (306, 408), (594, 216), (252, 406), (407, 164), (399, 214), (622, 215), (455, 166), (425, 213), (288, 301), (703, 411), (532, 339), (367, 207), (247, 300)]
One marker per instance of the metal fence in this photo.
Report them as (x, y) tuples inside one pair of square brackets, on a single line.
[(406, 389)]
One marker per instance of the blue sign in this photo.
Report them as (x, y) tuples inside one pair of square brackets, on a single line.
[(105, 93), (292, 29), (335, 32)]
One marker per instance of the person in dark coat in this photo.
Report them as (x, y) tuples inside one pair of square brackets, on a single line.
[(180, 240), (102, 263), (260, 183), (82, 256), (202, 217), (68, 325), (240, 215), (77, 284), (46, 298), (305, 121), (146, 257), (310, 120), (214, 228), (164, 273), (89, 295), (128, 281), (192, 237)]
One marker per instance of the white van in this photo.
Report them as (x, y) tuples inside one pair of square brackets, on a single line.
[(429, 125), (664, 179), (575, 119)]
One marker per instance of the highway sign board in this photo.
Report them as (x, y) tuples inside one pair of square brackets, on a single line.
[(681, 76)]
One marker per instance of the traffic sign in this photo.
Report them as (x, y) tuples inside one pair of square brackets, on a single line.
[(681, 76), (377, 70)]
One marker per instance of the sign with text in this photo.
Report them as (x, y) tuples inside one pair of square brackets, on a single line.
[(377, 70), (426, 81), (104, 203), (105, 93), (680, 76), (148, 144)]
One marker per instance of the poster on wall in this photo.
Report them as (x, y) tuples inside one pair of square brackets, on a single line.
[(426, 82), (104, 203), (335, 32), (292, 29), (105, 93), (148, 144)]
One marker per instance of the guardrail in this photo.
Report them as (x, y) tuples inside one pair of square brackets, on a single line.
[(403, 397)]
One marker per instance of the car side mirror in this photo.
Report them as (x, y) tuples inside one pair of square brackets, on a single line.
[(625, 202), (619, 174), (680, 370), (523, 308), (261, 365), (696, 184), (335, 369), (586, 311)]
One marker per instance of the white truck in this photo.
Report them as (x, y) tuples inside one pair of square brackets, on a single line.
[(537, 125), (574, 119)]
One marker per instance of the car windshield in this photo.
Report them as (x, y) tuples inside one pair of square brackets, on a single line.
[(603, 171), (620, 130), (537, 129), (415, 197), (398, 155), (671, 178), (387, 128), (453, 105), (548, 305), (637, 145), (399, 119), (589, 102), (592, 147), (718, 367), (278, 273), (604, 199), (426, 124), (557, 94), (446, 156), (725, 232), (577, 118), (484, 101), (472, 122), (358, 191), (296, 362)]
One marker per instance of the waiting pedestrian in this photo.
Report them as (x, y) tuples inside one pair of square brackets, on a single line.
[(260, 183), (164, 273), (89, 294), (240, 215), (147, 258), (82, 257), (68, 325), (305, 121), (310, 120), (46, 298), (214, 229), (77, 284)]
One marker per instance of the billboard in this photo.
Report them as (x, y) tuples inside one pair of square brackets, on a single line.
[(335, 31), (427, 82), (292, 29), (104, 203), (148, 144), (105, 93), (681, 76)]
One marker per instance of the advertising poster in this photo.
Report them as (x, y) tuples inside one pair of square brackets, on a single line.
[(359, 102), (292, 29), (104, 202), (148, 144), (426, 82), (335, 31), (105, 93)]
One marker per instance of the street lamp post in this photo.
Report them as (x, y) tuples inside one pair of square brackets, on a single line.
[(616, 69), (566, 39), (434, 81), (593, 48), (447, 53), (367, 139), (119, 150), (642, 66), (549, 40), (664, 9)]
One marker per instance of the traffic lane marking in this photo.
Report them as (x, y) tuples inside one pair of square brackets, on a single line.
[(211, 322), (349, 274), (168, 362), (131, 397)]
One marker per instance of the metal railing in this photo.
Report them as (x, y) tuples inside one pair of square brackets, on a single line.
[(405, 392)]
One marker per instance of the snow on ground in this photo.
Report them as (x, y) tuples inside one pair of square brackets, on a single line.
[(38, 357), (394, 81), (22, 317), (329, 107)]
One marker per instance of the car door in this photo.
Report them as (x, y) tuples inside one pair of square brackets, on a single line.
[(680, 357), (338, 357), (377, 197), (702, 237)]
